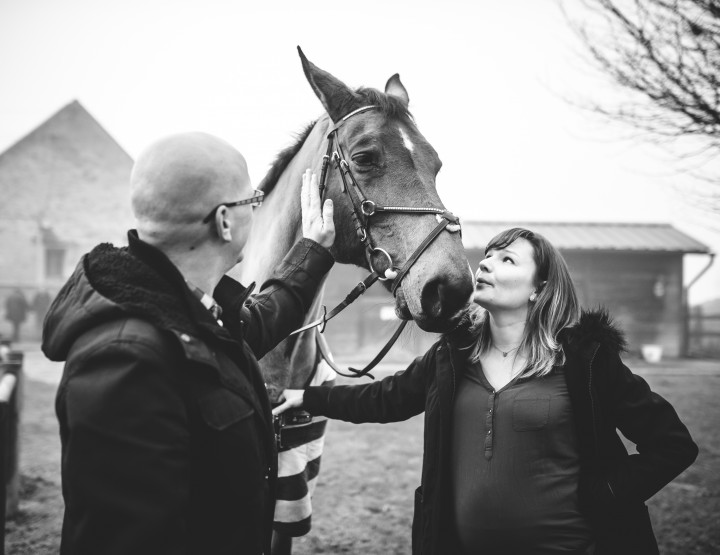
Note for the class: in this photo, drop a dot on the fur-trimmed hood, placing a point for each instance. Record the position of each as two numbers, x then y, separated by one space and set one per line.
111 283
107 284
595 326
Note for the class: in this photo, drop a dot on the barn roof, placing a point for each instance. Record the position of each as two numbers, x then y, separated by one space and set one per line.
68 175
581 236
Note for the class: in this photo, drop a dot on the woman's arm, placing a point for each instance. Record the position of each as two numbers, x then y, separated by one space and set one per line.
395 398
664 445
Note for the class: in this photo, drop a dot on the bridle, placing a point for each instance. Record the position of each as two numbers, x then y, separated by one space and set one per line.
363 210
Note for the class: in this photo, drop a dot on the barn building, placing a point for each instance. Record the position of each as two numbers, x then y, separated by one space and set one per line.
633 269
64 189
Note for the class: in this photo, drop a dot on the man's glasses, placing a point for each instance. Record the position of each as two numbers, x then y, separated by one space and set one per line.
255 200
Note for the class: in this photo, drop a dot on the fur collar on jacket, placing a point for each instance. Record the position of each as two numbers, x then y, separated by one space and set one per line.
111 283
156 293
595 326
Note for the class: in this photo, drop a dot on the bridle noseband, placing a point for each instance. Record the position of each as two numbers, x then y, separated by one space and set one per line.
363 210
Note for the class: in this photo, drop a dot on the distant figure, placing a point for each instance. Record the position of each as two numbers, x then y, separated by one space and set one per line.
40 305
4 349
16 308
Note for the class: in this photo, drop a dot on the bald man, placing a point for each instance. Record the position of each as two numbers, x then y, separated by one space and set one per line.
166 429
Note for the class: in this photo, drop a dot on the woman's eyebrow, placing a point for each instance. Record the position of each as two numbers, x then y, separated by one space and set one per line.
502 249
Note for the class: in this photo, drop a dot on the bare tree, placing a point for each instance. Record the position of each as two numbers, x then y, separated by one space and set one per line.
666 53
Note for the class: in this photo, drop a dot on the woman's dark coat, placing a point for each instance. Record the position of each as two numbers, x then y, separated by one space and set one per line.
166 429
605 397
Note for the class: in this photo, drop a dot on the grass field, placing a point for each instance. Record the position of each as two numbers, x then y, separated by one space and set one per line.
363 502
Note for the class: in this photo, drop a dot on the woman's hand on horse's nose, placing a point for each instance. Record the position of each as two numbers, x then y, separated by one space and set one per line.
317 224
292 398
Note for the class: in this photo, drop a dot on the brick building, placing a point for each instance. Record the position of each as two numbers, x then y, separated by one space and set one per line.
64 188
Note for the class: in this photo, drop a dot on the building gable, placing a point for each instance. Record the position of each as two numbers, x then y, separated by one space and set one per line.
67 179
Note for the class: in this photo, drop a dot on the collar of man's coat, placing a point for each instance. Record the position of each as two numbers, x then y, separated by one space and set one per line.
143 281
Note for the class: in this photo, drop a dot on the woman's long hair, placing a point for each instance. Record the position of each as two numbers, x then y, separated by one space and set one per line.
555 308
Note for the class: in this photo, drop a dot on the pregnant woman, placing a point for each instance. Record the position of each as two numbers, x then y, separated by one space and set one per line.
522 405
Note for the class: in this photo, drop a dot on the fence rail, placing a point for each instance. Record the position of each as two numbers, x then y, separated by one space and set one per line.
10 406
703 333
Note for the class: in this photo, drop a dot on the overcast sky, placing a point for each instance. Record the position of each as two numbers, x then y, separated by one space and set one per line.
488 85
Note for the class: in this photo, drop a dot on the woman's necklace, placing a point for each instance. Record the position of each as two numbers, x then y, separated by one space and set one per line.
506 353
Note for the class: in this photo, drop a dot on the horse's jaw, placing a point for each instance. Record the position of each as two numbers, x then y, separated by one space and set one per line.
402 310
424 321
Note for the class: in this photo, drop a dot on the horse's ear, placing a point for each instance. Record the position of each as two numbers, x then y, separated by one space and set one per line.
395 88
337 98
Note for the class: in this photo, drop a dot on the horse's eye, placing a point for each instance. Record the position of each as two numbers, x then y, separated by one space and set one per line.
363 158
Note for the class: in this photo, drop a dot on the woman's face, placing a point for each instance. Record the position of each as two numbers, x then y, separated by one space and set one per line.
505 278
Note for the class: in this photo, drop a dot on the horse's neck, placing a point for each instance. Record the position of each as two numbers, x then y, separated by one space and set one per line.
275 230
277 226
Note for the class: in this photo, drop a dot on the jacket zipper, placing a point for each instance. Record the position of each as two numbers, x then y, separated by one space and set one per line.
452 368
594 418
592 402
452 399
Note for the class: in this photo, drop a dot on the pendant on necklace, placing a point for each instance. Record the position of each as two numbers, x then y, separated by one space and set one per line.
504 353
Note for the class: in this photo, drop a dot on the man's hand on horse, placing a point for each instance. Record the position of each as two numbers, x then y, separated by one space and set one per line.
317 224
291 398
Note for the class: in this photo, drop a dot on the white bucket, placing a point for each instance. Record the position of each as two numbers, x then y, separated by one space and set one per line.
652 353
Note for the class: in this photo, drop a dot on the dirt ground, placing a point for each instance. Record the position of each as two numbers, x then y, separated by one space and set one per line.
363 501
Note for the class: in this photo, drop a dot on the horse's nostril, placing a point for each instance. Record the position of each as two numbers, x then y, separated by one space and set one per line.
442 297
431 300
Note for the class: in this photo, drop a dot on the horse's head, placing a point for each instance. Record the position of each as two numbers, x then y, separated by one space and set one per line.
393 165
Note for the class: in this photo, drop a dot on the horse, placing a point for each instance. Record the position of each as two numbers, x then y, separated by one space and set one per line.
389 160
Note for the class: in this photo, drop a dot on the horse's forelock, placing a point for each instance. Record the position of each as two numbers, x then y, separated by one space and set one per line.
390 106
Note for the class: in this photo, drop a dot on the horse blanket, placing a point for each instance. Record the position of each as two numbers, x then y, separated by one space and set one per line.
298 468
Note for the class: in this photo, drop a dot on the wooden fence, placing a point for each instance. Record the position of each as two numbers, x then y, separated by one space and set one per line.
703 334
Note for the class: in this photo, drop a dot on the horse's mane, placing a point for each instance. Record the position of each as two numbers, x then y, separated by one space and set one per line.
388 105
283 159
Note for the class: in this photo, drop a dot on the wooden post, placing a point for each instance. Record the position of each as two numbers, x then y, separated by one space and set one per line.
11 379
3 491
699 329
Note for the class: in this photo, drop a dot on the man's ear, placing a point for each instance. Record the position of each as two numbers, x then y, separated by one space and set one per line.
222 224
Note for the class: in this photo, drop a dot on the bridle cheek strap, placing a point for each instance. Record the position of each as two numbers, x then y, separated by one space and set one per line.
445 220
358 290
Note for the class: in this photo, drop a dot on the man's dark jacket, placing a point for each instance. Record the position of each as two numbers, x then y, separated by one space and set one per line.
166 429
605 396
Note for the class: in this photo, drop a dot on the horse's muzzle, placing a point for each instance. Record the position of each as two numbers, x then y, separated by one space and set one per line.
442 303
402 310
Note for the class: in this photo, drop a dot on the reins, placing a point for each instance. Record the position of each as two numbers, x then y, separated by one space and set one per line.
362 211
